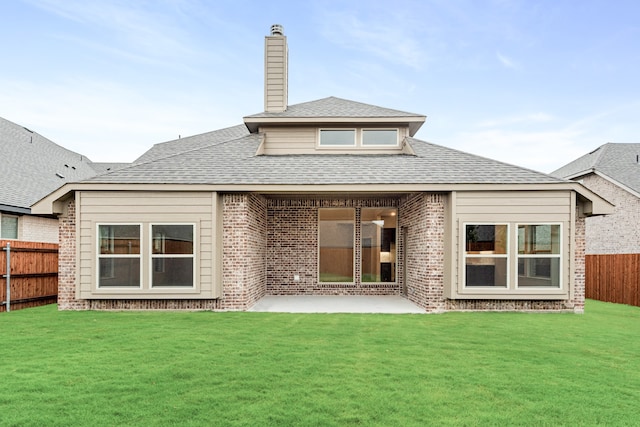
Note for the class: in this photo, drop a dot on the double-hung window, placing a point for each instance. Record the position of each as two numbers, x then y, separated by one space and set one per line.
172 255
512 256
486 255
539 260
119 255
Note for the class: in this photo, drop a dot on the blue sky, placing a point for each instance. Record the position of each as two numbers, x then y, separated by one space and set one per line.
533 83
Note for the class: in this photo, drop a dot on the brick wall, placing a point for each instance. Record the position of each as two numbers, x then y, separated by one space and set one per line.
37 229
618 233
244 250
422 218
67 262
292 247
579 265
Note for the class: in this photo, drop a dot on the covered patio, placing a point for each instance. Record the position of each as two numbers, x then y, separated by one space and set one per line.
387 304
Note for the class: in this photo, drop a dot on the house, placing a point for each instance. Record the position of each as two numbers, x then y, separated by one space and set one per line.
612 171
328 197
32 167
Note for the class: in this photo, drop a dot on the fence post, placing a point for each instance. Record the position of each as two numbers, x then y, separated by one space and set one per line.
8 277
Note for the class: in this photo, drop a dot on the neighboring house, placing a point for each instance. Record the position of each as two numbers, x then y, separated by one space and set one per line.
329 197
612 171
32 167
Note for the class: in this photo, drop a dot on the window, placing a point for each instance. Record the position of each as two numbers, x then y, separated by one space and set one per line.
119 255
379 137
378 258
539 255
528 259
8 227
338 137
486 255
172 255
336 244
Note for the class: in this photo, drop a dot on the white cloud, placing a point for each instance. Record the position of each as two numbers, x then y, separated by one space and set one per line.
507 62
151 31
390 40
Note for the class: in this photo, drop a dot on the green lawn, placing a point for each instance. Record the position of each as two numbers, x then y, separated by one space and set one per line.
257 369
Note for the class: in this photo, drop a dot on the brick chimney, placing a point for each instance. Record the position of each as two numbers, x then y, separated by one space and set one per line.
276 58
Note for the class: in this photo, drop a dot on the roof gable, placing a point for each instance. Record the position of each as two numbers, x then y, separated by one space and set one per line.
619 162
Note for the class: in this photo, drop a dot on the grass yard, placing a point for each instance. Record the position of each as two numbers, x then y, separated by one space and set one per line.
259 369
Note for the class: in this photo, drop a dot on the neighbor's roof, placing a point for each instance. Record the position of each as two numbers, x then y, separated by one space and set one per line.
236 162
618 162
32 166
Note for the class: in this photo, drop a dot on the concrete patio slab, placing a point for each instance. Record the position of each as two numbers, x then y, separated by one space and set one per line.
392 304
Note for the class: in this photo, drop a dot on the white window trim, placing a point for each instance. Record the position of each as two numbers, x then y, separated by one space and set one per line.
100 256
465 255
153 257
361 139
337 146
549 256
358 139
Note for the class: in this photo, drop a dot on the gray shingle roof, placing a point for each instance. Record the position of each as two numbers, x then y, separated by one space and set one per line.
236 162
615 160
169 148
335 107
32 166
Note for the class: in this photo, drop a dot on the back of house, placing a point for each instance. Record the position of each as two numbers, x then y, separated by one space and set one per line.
327 197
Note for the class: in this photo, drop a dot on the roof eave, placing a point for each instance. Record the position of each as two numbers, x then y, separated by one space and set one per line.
413 122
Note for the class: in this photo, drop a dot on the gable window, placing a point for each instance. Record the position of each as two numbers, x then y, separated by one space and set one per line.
486 255
539 255
378 231
119 255
172 255
379 137
8 227
337 137
336 244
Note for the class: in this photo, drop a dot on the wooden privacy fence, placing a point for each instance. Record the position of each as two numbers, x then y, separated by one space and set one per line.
33 274
613 278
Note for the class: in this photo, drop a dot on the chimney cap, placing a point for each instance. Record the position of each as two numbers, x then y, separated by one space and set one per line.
277 30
